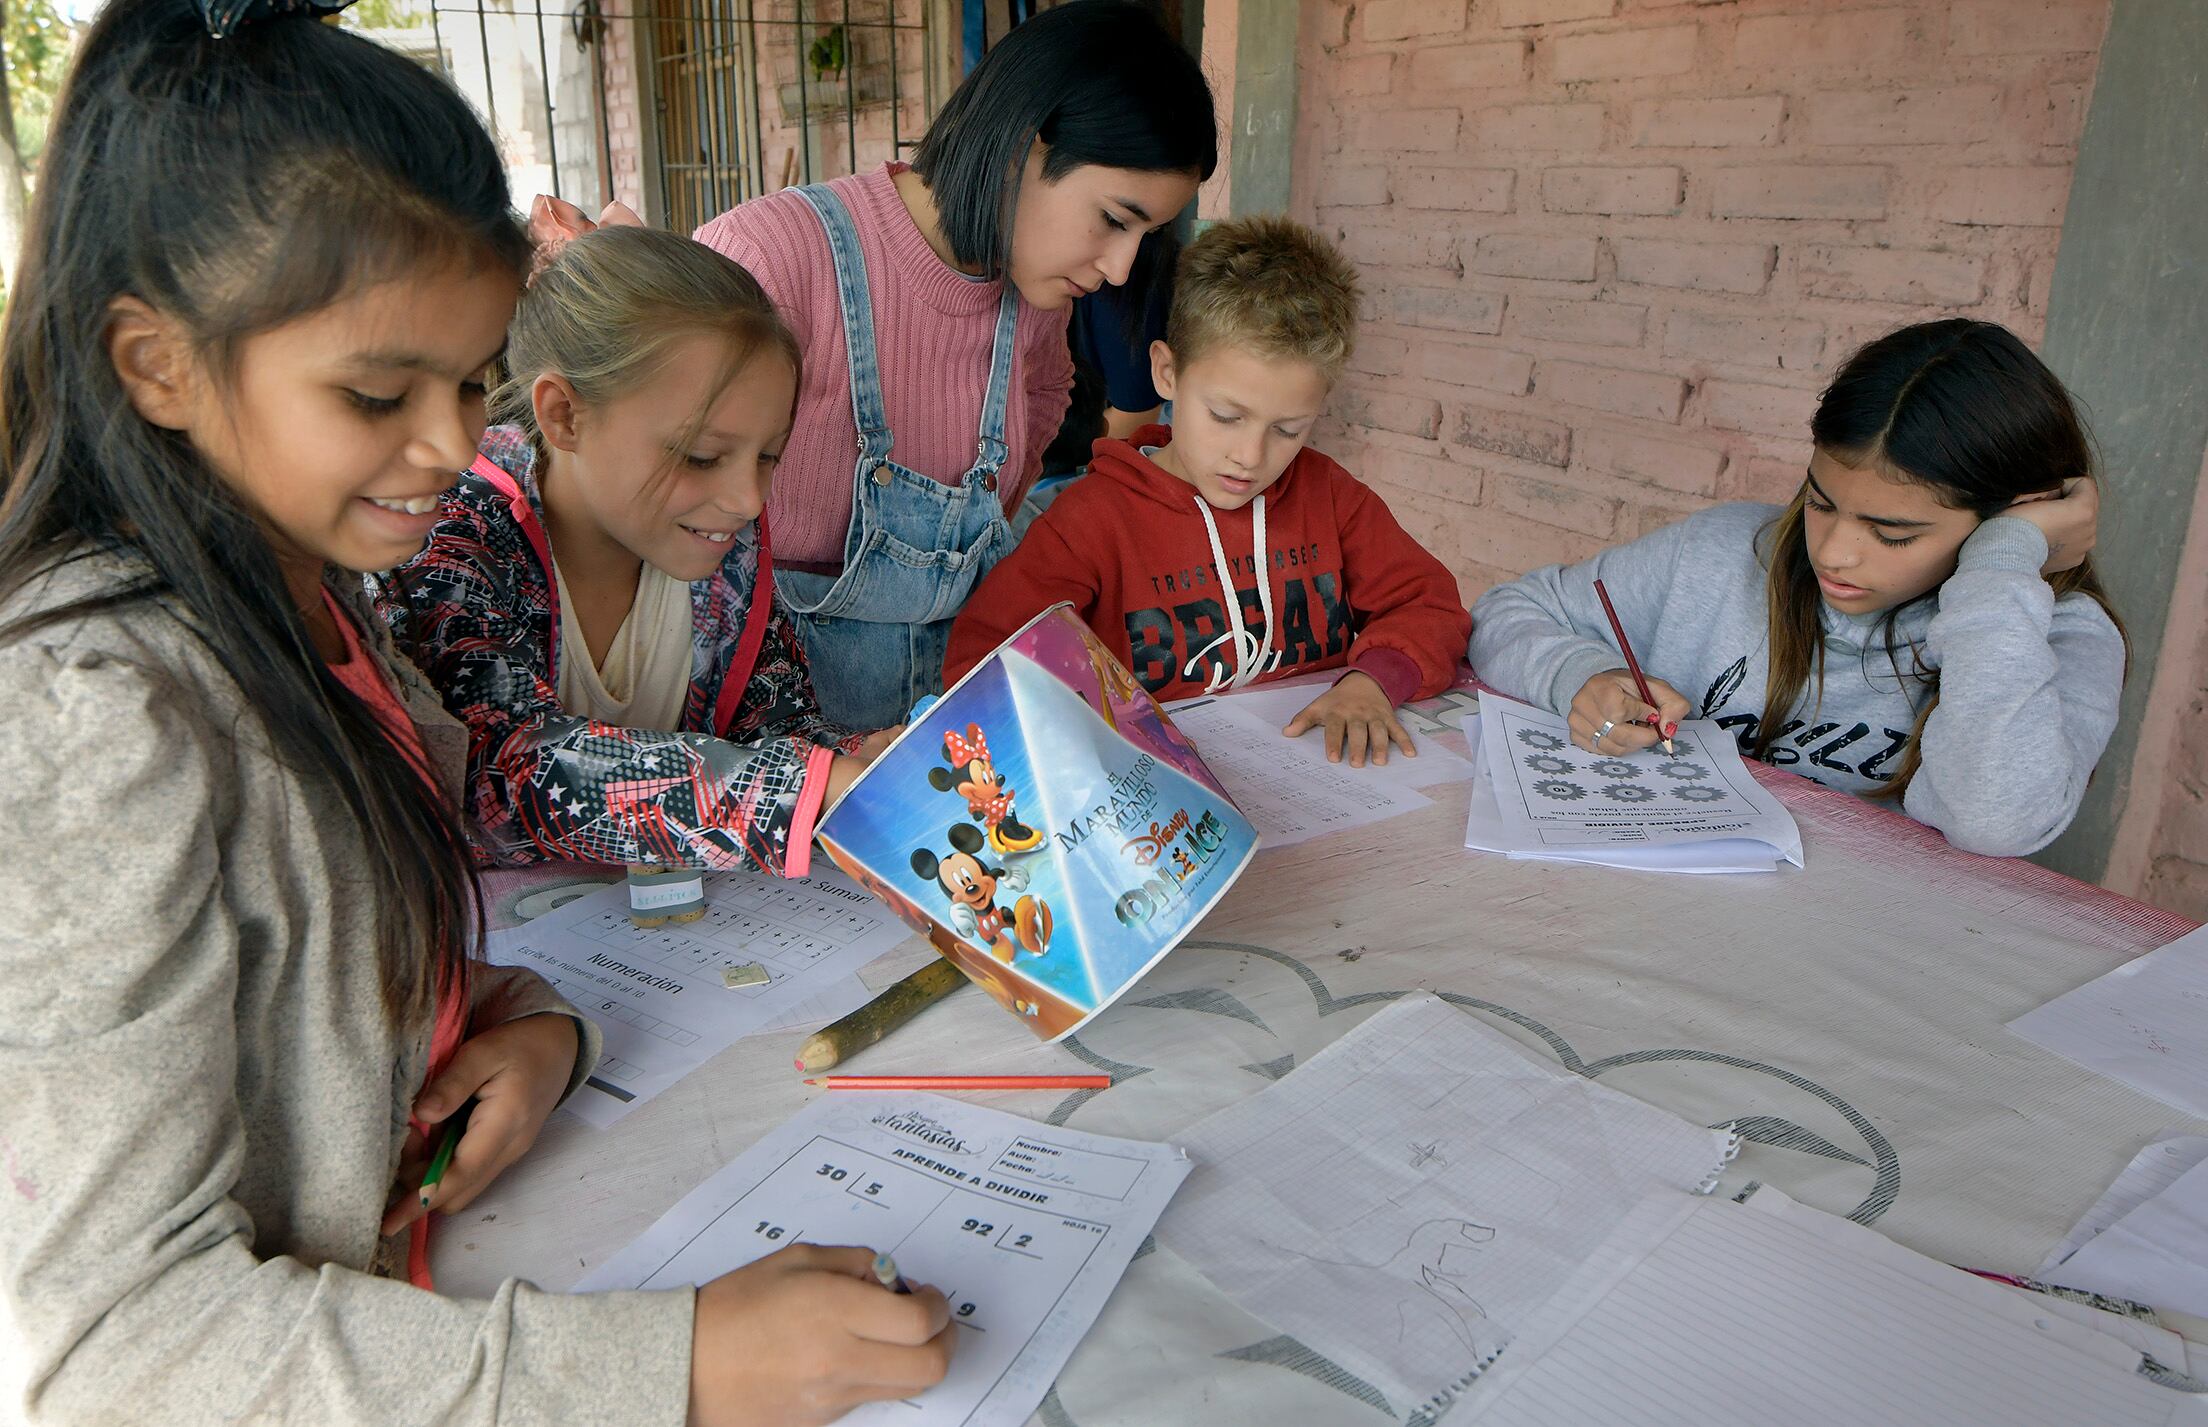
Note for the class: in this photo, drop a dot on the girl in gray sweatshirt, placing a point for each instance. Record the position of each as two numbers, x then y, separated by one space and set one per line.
1921 623
238 995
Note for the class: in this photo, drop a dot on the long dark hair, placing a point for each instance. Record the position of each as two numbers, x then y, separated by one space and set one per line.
235 186
1961 407
1100 82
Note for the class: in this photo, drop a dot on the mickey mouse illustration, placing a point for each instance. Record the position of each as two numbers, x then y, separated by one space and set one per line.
973 886
988 799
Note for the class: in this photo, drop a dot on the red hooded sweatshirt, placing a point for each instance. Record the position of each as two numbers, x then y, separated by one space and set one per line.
1129 546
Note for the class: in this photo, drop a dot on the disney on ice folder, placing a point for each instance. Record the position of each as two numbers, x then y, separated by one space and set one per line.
1045 826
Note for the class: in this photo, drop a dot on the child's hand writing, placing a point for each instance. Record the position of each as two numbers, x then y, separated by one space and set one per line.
845 769
1610 698
2069 518
806 1334
1358 719
515 1072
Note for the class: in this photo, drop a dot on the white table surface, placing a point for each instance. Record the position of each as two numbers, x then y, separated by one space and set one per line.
1849 1016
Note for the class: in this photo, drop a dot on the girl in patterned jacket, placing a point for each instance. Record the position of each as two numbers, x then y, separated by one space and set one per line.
597 600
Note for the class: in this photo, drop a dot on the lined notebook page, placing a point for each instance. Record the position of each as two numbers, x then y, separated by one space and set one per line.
1403 1201
1716 1314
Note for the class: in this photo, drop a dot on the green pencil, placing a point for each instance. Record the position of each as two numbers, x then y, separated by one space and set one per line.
453 1129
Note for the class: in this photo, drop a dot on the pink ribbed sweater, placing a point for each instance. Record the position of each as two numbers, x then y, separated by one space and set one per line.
932 326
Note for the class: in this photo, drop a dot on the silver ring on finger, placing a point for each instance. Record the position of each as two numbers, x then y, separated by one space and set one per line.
1604 731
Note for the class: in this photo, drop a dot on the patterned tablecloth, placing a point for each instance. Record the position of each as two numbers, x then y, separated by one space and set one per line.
1848 1018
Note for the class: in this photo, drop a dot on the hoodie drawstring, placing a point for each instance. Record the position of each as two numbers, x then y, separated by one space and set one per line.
1251 659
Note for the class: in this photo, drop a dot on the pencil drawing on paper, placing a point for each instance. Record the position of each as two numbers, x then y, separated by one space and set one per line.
1437 1261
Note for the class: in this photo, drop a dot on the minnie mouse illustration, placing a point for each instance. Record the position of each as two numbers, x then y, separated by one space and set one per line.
988 798
972 886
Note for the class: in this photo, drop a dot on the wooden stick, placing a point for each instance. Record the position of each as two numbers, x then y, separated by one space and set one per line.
878 1017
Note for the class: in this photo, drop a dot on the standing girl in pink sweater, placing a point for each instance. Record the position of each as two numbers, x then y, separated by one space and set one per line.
930 304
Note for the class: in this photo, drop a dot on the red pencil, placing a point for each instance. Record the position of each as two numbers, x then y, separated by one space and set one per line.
962 1082
1625 647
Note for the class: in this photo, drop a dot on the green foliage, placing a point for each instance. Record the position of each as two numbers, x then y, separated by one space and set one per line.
386 15
37 48
827 54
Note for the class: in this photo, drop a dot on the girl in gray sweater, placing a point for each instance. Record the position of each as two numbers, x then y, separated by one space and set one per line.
1921 623
268 263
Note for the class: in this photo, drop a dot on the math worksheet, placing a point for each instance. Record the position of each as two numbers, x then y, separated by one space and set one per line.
660 995
1025 1227
1286 787
1554 795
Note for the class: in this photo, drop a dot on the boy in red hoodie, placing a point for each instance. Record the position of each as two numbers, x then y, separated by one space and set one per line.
1228 497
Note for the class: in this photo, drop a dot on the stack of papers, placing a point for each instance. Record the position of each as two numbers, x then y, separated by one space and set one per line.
2145 1025
1694 809
2147 1238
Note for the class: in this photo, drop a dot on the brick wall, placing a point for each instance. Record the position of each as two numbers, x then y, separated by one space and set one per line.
625 114
1613 248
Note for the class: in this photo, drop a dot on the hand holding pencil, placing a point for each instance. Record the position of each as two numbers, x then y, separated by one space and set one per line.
1612 698
810 1332
1622 711
480 1112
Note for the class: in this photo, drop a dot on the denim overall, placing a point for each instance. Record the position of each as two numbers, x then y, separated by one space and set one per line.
875 633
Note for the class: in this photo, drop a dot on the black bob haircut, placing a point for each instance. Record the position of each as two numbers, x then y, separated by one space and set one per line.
1100 82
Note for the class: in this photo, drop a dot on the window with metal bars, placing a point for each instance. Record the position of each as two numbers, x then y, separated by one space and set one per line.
685 108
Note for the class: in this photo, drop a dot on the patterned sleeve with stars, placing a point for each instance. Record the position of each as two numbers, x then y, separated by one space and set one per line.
544 784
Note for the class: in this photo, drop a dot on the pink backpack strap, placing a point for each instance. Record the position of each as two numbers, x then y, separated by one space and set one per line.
756 620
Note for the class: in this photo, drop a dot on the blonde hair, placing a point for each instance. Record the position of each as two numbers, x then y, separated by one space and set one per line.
608 310
1267 284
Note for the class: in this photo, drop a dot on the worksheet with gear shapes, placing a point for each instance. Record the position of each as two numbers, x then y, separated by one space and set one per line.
1556 795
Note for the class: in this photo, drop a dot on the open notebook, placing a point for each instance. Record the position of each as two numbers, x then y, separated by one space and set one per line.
1716 1314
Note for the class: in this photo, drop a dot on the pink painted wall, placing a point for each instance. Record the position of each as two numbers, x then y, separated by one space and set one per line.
1614 247
2161 844
2176 872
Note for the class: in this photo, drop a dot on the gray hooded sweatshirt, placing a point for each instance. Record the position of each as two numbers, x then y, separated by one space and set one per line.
2027 683
205 1100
